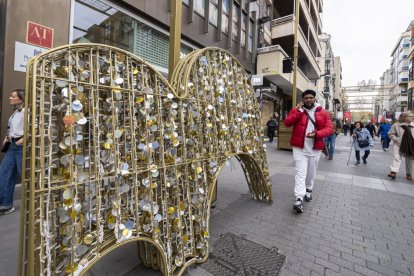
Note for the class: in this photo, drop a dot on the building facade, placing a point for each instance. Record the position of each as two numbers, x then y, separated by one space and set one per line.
337 80
399 74
140 27
410 85
274 58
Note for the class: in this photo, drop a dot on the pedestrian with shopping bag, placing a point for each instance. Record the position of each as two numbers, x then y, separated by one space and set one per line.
362 142
402 134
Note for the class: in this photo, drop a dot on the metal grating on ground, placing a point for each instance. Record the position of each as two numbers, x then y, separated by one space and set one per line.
234 255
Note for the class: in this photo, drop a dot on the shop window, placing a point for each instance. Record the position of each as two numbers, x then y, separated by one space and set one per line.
213 12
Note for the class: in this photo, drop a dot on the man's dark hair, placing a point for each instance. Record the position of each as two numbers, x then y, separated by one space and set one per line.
20 93
361 124
308 91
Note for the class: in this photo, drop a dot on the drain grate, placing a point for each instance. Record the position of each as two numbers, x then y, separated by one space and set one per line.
234 255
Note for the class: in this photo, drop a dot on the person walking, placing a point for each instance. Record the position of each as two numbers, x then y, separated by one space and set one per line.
362 142
11 166
330 140
383 130
345 127
271 128
311 123
402 134
371 129
351 129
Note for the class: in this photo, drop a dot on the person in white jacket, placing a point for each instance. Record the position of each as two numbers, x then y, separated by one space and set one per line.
402 134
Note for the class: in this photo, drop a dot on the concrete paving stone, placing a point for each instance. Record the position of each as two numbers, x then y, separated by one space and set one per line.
341 262
365 256
381 269
317 253
317 268
348 272
399 187
327 264
398 265
330 250
352 258
329 272
366 271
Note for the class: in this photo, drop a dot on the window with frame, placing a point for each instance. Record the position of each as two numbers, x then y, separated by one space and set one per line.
213 15
251 26
235 30
199 7
225 17
243 32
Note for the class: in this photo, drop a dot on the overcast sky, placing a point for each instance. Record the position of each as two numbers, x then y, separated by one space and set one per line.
364 33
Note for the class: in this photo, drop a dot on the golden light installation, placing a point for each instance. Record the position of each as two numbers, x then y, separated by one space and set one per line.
115 154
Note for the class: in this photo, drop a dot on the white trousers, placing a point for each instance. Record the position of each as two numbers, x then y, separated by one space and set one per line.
305 167
396 161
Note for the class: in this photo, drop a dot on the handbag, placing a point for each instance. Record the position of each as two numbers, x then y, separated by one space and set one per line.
362 143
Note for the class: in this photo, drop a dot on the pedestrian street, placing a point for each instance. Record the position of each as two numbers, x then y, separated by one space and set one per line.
359 222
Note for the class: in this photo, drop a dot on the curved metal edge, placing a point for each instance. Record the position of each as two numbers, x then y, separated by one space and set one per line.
103 46
111 248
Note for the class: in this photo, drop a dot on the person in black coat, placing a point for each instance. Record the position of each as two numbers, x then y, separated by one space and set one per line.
271 128
371 128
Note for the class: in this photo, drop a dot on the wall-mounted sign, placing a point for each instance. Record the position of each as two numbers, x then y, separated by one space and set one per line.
23 52
39 35
257 80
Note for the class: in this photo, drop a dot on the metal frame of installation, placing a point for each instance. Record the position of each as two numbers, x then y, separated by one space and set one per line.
115 154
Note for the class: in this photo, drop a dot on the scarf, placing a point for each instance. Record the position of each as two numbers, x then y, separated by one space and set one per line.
407 143
19 107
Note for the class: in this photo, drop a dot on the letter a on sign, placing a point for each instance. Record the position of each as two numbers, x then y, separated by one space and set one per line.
39 35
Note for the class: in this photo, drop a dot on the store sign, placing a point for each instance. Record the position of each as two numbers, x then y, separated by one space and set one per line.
257 80
339 115
24 52
39 35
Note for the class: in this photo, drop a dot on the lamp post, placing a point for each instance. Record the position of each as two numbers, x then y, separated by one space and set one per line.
295 53
175 36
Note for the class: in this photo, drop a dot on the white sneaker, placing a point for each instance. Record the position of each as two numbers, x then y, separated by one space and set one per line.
298 205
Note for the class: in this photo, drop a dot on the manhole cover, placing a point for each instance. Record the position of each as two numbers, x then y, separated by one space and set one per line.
233 255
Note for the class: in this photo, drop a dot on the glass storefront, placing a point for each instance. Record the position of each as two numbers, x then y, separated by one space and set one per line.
97 22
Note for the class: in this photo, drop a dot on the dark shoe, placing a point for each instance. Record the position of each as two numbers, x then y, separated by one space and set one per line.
364 160
409 177
308 195
357 163
330 157
213 205
393 175
7 211
384 149
298 205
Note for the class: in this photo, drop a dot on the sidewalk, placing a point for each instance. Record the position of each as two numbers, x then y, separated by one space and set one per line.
359 222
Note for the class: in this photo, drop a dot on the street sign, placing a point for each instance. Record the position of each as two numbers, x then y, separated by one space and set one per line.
39 35
22 53
257 80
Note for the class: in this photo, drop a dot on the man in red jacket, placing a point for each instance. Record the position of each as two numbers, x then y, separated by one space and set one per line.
311 123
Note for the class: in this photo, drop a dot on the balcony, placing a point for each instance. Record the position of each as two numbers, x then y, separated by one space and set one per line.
270 65
283 30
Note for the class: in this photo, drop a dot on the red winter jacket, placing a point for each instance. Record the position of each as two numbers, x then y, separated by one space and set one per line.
299 120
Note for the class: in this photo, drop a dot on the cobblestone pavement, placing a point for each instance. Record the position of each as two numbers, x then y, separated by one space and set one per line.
358 223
